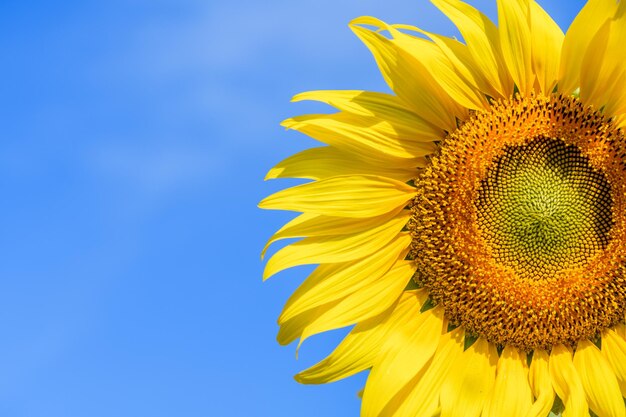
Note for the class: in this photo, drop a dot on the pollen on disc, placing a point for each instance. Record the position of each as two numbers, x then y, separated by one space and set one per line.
542 208
519 224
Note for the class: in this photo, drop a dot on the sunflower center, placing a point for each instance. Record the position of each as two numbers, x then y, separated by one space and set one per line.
519 225
542 208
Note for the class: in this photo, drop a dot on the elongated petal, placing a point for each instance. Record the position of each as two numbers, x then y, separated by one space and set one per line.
355 196
616 101
614 350
465 390
598 380
540 384
516 42
327 161
414 343
567 383
435 63
547 41
297 227
422 398
511 395
331 249
332 282
365 303
592 67
603 63
356 352
577 39
370 104
483 42
410 135
407 79
461 60
292 329
311 224
371 138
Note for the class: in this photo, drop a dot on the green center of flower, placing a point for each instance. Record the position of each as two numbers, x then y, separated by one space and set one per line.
519 225
542 208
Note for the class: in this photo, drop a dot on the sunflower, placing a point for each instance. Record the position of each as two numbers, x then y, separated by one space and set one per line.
471 225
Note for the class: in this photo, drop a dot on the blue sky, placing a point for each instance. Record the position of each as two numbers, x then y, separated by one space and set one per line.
135 136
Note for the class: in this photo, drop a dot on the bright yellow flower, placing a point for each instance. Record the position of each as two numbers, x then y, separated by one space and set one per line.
472 226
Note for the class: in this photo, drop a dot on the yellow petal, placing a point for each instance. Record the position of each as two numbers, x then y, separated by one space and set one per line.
356 352
292 228
616 101
577 39
465 389
483 43
311 224
567 383
434 62
422 394
516 42
590 90
511 395
364 136
355 196
292 329
603 63
547 40
462 61
407 79
365 303
405 352
614 350
370 104
341 248
332 282
598 380
540 384
327 161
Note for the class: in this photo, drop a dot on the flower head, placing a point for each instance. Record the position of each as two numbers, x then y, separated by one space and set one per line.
472 225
